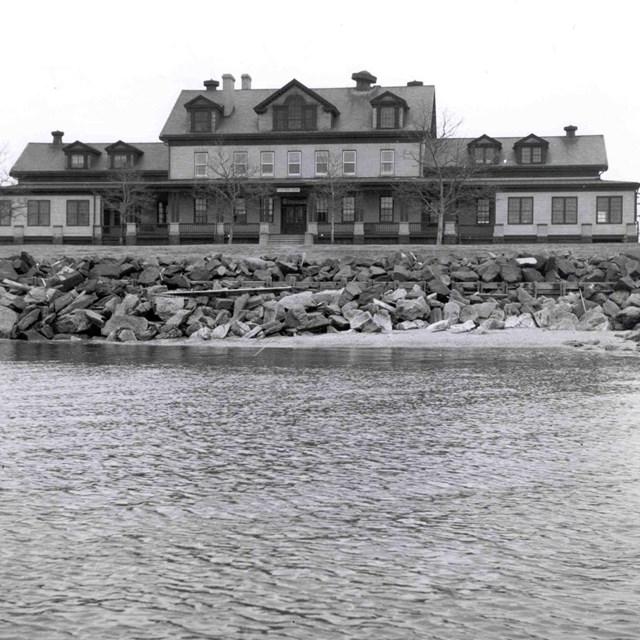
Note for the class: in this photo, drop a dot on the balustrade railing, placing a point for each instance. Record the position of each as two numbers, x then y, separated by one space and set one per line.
381 228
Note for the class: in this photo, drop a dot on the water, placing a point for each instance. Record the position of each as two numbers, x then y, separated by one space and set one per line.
186 493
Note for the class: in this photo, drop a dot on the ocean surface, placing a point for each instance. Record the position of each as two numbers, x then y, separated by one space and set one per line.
375 494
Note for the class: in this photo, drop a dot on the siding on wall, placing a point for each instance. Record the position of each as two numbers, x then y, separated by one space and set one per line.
368 158
586 213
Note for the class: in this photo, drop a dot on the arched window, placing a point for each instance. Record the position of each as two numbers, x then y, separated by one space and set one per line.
294 115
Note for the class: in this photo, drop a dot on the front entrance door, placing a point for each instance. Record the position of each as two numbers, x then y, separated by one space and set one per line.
294 216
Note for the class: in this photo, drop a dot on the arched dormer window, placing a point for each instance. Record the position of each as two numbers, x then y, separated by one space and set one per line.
294 115
389 111
484 150
531 150
204 115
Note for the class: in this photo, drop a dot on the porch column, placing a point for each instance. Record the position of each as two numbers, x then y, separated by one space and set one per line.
312 232
264 234
586 234
498 234
18 234
174 233
97 234
358 233
220 232
403 233
57 234
131 233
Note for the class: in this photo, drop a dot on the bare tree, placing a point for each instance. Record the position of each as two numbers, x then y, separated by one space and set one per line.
127 193
231 183
448 177
332 189
14 205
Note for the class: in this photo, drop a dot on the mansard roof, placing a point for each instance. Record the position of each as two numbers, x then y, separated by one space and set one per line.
578 152
45 157
296 84
354 108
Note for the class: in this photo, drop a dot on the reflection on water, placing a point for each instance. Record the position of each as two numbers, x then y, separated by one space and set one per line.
372 494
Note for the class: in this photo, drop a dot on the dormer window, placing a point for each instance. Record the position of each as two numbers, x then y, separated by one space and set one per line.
121 161
122 155
204 115
80 155
294 115
389 111
78 161
484 150
203 121
531 150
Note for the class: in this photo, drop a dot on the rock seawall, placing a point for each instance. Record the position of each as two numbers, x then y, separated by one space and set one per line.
130 300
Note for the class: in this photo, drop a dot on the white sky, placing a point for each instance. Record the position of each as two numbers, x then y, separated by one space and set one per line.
107 71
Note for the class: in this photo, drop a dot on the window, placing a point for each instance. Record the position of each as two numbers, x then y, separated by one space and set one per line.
348 209
203 120
387 162
294 115
200 210
77 213
266 210
388 117
240 163
564 211
322 163
240 211
483 211
386 208
267 162
609 210
201 160
78 161
294 160
121 161
428 214
5 213
38 213
484 154
520 211
322 209
531 155
349 163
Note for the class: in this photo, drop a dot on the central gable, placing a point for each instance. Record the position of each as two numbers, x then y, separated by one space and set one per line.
296 88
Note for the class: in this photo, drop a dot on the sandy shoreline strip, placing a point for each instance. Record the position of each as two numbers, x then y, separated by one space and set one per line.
423 339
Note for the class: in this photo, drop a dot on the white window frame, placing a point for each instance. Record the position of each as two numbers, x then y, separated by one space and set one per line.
264 163
292 162
346 162
388 165
240 163
200 162
322 160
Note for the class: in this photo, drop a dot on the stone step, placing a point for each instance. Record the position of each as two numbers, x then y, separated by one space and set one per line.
276 239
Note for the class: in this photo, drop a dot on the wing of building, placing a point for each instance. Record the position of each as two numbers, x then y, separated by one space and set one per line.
358 164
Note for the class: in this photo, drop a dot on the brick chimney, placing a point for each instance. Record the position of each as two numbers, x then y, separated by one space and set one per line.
228 97
57 137
570 130
246 81
415 83
364 80
211 85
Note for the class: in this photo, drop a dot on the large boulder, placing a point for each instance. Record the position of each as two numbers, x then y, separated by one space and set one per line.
8 320
629 317
138 325
165 306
